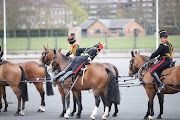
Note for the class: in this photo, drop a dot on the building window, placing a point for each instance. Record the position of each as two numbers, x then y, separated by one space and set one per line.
113 30
91 32
121 31
43 21
98 31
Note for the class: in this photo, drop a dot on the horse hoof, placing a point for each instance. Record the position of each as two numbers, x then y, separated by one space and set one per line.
150 117
5 110
40 110
61 115
159 117
66 117
91 119
103 118
114 115
78 116
72 114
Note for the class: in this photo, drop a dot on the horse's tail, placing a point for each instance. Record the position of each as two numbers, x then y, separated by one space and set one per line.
113 93
116 71
49 89
23 86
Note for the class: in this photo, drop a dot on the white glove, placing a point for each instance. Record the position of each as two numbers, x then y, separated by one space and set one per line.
89 59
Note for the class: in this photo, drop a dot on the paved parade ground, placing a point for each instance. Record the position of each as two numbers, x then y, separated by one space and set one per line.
133 104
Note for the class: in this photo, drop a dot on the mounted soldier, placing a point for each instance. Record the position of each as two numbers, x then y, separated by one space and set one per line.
84 55
165 50
73 46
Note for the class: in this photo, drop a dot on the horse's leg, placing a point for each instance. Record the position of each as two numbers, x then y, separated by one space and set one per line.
106 105
116 110
0 98
61 91
40 89
66 90
74 104
79 99
23 108
97 102
150 112
18 95
161 101
5 100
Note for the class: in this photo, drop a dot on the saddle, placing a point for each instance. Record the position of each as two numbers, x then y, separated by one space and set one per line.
80 72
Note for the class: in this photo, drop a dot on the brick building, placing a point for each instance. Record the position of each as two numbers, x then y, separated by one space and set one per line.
112 27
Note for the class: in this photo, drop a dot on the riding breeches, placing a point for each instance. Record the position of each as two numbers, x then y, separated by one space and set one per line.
161 65
77 63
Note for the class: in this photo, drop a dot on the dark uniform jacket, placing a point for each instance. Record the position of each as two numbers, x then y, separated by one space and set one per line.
82 55
165 50
166 53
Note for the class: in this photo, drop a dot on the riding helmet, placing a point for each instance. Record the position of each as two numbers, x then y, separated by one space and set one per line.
163 33
71 39
99 46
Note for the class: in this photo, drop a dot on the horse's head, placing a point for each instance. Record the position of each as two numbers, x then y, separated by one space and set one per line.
54 62
135 63
59 61
46 56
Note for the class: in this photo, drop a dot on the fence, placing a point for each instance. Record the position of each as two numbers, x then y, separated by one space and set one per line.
36 43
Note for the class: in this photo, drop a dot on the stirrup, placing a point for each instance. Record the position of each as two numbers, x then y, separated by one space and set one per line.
54 83
161 88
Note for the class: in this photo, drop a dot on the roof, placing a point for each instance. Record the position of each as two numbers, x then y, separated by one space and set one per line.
109 23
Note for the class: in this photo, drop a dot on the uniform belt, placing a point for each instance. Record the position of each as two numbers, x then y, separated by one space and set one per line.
84 54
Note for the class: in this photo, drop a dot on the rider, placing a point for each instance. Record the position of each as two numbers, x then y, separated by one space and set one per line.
73 46
165 50
83 55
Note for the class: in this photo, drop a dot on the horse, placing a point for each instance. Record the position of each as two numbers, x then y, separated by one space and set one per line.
97 77
36 74
13 75
46 58
170 76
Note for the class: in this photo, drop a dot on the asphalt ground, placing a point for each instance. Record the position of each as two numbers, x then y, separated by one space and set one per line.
133 104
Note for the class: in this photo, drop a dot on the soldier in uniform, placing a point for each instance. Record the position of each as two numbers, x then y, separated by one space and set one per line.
82 56
165 50
73 46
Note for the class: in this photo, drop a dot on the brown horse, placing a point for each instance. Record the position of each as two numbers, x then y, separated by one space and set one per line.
14 76
47 57
97 77
34 72
170 76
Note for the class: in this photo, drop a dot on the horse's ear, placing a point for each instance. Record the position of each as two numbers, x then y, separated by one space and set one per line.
135 52
44 47
138 52
132 53
59 50
54 51
47 46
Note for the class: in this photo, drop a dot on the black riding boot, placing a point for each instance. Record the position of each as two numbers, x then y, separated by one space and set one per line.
161 85
65 76
57 77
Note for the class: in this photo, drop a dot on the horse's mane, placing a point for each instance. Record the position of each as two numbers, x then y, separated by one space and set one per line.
66 58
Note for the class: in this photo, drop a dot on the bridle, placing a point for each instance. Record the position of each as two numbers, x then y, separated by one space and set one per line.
134 71
45 55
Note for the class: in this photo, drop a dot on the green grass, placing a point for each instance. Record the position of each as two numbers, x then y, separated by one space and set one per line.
36 43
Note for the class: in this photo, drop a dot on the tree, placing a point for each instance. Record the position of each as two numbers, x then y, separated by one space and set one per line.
79 14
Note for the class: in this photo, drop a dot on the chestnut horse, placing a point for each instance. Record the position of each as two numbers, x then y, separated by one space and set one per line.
34 72
170 76
47 57
13 75
97 77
